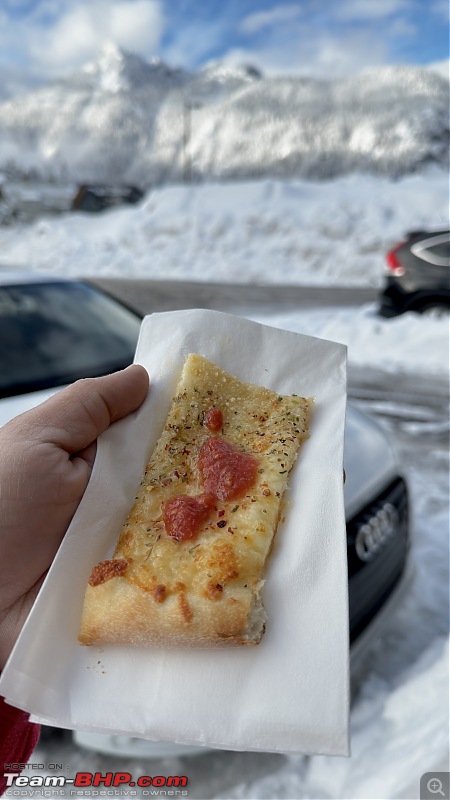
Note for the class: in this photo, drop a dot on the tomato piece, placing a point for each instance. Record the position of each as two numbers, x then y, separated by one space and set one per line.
184 515
227 473
213 419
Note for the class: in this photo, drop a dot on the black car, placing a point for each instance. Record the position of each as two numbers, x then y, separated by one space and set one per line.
418 275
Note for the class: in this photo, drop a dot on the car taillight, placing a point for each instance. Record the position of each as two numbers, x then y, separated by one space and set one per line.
393 263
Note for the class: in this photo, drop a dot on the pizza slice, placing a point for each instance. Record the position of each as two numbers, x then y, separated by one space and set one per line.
189 564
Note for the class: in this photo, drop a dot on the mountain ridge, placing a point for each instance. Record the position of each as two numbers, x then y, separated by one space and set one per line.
125 120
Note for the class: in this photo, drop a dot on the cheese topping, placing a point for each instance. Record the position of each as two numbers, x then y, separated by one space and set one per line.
232 533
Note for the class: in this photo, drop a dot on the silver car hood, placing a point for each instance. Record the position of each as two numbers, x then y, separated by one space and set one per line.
370 460
13 406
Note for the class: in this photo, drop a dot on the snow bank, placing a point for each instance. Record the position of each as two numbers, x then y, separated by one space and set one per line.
266 232
296 232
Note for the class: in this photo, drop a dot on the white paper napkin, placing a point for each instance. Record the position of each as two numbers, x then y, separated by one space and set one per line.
290 693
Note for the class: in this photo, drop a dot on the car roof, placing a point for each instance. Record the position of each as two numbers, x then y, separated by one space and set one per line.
425 233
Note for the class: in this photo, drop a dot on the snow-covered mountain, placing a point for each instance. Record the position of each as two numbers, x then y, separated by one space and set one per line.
123 119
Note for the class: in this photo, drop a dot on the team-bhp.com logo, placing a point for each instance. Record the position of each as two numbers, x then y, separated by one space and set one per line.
109 784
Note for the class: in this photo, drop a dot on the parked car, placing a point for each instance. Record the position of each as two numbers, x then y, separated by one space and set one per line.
418 275
98 197
53 332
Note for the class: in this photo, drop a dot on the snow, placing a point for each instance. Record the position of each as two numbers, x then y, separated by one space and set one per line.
406 344
326 231
293 232
125 120
297 232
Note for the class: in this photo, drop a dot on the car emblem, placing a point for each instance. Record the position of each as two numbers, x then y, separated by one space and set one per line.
375 532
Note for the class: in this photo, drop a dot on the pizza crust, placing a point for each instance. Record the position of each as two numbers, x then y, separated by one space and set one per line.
204 591
133 617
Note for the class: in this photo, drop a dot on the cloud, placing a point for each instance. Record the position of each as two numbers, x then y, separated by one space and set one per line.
366 10
79 32
254 23
56 36
137 26
68 43
326 39
440 9
322 55
311 39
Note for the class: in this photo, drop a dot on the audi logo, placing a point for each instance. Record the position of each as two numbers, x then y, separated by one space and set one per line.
376 531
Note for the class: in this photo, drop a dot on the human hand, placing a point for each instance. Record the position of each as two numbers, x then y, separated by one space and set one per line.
46 458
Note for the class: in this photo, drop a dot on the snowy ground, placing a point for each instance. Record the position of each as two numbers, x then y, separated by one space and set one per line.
328 234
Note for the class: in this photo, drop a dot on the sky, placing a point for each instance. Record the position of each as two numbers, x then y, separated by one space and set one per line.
41 40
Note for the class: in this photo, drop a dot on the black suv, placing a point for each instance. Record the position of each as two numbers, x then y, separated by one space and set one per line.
418 275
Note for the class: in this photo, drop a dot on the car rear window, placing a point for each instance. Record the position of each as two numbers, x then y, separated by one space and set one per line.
55 333
441 250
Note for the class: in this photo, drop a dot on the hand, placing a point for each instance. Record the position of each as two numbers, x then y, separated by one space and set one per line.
46 458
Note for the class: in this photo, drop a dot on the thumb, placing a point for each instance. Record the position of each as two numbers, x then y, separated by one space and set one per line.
73 418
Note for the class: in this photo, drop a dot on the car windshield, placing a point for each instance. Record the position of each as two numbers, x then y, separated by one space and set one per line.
55 333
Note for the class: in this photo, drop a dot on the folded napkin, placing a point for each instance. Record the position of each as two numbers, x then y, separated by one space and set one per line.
288 694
